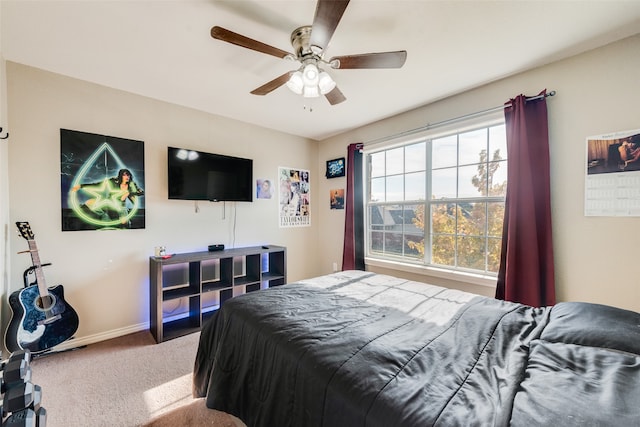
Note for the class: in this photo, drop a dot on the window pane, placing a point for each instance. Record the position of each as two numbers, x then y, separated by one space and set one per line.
393 218
377 189
376 215
471 252
472 219
376 240
414 246
395 163
377 164
494 246
415 186
498 184
414 219
444 152
471 183
443 183
498 141
471 145
495 218
443 218
395 188
443 250
393 243
415 157
414 231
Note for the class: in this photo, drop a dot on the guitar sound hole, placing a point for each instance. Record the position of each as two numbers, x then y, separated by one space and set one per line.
45 303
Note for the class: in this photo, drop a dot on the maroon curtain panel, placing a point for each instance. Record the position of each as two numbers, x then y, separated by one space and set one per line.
353 247
526 272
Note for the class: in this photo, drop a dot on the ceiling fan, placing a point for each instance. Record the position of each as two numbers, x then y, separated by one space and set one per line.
308 43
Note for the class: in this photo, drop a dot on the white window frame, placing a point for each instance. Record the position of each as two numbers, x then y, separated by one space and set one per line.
408 138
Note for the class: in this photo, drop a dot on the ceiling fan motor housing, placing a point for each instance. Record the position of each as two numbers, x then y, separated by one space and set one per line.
300 38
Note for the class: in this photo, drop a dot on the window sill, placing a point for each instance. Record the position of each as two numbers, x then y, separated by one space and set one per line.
458 276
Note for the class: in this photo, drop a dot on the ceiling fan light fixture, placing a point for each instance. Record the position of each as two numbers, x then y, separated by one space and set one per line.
310 81
311 92
310 75
296 83
325 83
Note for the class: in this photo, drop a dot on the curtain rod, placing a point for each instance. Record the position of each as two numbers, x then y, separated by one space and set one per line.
455 119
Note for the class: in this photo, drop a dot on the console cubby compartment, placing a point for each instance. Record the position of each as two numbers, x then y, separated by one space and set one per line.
210 304
253 287
175 276
180 316
276 264
225 295
273 269
206 315
201 282
217 274
247 270
178 328
277 281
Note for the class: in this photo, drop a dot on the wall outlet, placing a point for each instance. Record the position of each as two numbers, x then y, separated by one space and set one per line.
335 266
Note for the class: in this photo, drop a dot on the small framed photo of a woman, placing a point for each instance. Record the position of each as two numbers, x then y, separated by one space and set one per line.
335 168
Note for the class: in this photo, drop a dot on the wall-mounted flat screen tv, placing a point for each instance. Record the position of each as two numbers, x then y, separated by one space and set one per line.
197 175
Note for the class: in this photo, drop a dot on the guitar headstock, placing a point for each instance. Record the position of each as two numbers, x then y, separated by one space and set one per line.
25 230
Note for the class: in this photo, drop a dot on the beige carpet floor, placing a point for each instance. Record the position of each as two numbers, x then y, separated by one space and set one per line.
194 414
128 381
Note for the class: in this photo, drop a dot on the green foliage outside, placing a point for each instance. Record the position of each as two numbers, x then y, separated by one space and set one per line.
465 225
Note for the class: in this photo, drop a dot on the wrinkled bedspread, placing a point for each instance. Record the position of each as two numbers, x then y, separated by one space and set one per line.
362 349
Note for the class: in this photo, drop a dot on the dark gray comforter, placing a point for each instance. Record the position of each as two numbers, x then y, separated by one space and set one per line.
359 349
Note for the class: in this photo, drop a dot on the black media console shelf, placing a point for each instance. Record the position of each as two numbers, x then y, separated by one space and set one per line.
186 289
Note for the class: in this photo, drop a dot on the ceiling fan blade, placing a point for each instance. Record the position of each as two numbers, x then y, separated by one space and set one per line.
371 60
273 84
335 96
328 15
240 40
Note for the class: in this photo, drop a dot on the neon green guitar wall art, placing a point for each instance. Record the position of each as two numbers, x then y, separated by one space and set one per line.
96 203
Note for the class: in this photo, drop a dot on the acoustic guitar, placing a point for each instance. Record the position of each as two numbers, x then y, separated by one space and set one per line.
41 317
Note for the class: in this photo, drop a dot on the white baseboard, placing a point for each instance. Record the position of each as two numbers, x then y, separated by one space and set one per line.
103 336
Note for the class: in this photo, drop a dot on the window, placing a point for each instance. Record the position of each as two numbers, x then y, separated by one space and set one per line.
439 201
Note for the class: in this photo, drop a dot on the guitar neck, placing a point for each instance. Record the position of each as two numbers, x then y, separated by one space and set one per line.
35 260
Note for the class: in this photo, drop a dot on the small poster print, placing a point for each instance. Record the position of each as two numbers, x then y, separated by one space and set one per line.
263 189
336 198
295 197
335 168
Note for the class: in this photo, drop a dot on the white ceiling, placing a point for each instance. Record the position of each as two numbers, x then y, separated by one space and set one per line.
162 49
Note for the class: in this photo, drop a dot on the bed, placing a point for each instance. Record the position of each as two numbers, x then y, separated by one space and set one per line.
357 348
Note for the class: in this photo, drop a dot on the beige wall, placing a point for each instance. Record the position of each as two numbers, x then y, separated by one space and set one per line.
597 92
105 273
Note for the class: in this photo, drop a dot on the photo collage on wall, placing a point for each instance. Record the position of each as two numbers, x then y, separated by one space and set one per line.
102 182
295 196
